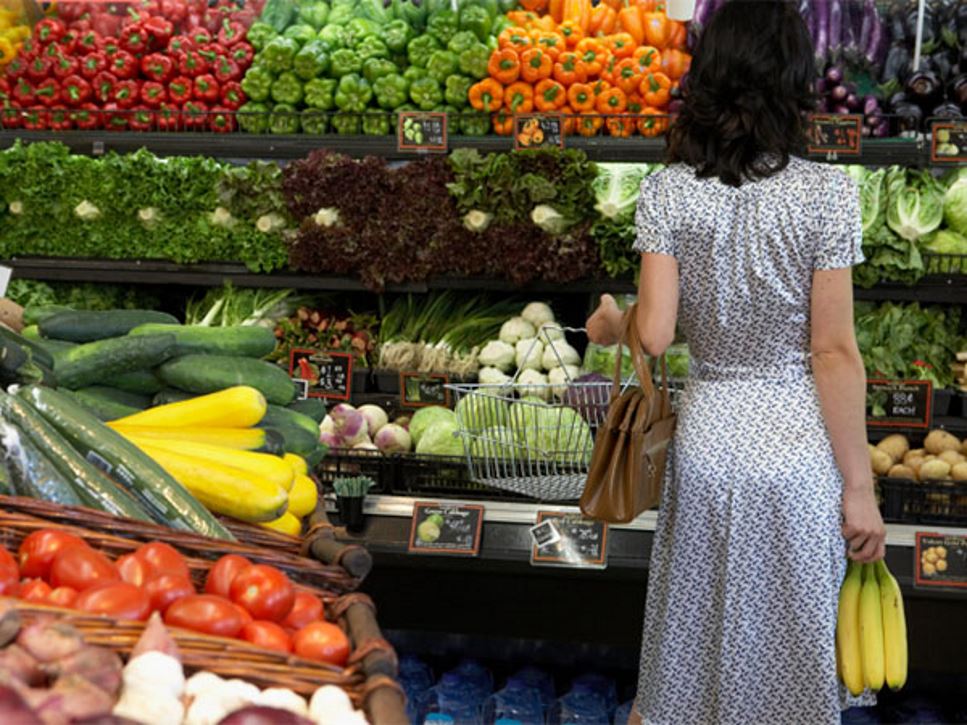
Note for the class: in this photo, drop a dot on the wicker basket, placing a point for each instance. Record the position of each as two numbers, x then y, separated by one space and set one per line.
942 503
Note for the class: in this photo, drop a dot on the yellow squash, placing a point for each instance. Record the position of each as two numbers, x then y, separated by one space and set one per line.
286 524
236 407
298 463
243 439
303 496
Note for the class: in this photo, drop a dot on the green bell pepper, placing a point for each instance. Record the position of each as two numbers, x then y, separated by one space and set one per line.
372 47
372 10
353 93
435 6
426 93
287 89
345 61
284 119
391 91
257 83
413 14
419 50
335 36
395 34
475 124
340 14
278 14
464 40
312 61
500 25
315 14
376 68
491 6
346 123
300 32
314 122
452 114
319 93
253 117
457 90
260 34
280 53
477 20
473 61
413 74
376 123
507 5
443 25
442 64
360 28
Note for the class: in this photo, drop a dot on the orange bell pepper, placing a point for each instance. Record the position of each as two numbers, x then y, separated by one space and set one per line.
648 59
679 36
504 66
519 97
535 6
607 73
675 63
594 55
535 65
603 20
652 123
550 42
514 38
620 126
556 10
579 11
580 97
487 95
627 76
522 18
600 87
570 120
549 95
649 6
629 20
589 125
546 23
658 29
503 123
611 101
570 69
616 4
621 45
656 89
636 103
571 33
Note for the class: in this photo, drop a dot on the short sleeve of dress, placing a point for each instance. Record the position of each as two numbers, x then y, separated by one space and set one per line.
841 241
653 232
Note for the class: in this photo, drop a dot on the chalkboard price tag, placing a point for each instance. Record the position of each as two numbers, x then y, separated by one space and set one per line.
941 561
451 530
949 142
417 131
899 404
569 540
322 374
419 390
538 131
830 134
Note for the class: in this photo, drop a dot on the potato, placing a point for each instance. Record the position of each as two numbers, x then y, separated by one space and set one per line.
930 557
880 461
938 441
914 453
935 470
914 464
901 471
929 569
941 551
959 472
895 445
952 457
941 565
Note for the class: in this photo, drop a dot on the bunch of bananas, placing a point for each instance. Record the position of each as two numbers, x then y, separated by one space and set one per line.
871 631
13 31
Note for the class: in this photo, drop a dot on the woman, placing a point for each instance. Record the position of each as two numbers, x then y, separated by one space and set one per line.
768 483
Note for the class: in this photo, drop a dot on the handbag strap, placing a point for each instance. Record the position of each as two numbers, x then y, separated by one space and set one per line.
630 337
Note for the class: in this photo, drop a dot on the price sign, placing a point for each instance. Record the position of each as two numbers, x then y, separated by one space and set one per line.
949 142
899 404
563 539
833 134
941 561
418 390
538 131
449 530
417 131
321 374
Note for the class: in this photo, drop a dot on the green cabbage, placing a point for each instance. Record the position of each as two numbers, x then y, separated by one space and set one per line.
616 189
946 241
916 205
441 438
955 204
479 410
425 417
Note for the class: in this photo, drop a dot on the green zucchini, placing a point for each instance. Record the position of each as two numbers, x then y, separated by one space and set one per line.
37 352
103 410
311 407
170 395
300 433
143 382
114 395
55 348
34 314
239 341
95 490
160 495
314 458
90 326
32 473
210 373
101 361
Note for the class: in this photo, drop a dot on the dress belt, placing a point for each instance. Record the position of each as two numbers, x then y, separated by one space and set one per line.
794 370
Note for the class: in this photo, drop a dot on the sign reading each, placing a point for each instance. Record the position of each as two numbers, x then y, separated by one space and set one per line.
949 142
538 131
835 134
564 539
322 374
418 390
899 404
941 561
452 530
417 131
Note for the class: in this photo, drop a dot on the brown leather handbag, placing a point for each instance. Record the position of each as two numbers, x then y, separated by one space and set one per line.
628 461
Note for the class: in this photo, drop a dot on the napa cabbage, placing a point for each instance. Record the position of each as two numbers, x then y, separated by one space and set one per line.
916 205
616 189
955 203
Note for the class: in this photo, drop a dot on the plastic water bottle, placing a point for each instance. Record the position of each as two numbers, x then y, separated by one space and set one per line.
539 680
580 706
622 714
416 678
517 702
454 700
603 686
478 676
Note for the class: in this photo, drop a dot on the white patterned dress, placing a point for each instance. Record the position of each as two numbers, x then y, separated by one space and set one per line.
748 554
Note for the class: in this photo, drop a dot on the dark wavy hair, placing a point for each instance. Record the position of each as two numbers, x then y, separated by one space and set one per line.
746 95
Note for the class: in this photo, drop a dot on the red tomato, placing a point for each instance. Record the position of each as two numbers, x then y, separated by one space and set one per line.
323 642
243 613
266 634
133 570
205 613
265 592
34 590
38 550
168 588
162 558
118 599
306 610
223 573
63 597
81 567
9 574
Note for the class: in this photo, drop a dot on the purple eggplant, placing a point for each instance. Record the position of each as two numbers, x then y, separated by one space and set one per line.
839 94
909 116
957 89
853 102
924 88
871 104
875 52
897 66
842 109
881 131
866 24
834 76
835 27
947 110
821 39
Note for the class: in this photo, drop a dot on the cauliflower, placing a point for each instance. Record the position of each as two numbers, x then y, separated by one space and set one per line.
560 377
537 313
497 354
534 383
516 328
559 353
529 354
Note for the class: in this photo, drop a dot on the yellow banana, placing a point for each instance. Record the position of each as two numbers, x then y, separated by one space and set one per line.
871 631
848 630
894 627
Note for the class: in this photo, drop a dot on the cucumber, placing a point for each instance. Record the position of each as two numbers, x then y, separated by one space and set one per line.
143 382
100 361
311 407
95 490
294 439
34 314
104 410
315 458
238 341
55 348
300 433
32 473
88 326
274 442
165 500
37 352
12 358
30 332
210 373
170 395
114 395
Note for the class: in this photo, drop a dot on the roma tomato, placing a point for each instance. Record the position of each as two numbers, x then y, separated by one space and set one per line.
205 613
118 599
80 567
9 574
223 573
323 642
162 558
306 609
34 590
133 570
63 597
168 588
265 592
266 634
243 613
38 550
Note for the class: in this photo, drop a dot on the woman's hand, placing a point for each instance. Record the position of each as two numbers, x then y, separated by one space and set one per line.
604 326
862 525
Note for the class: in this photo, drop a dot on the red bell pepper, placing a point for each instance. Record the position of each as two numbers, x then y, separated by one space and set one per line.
226 70
206 89
124 65
38 68
233 97
175 10
200 36
104 83
59 119
49 30
5 90
75 91
135 40
35 118
180 90
222 120
159 30
167 117
88 42
30 48
92 64
10 115
231 32
17 67
87 116
242 53
48 92
115 119
141 119
127 94
111 47
52 52
23 92
194 114
192 64
64 66
179 44
153 94
157 67
67 43
106 24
